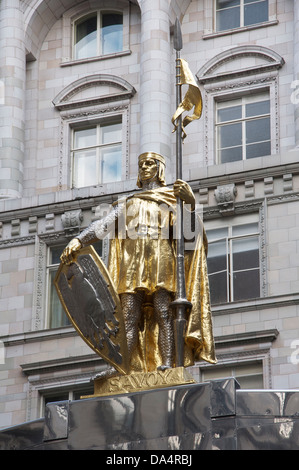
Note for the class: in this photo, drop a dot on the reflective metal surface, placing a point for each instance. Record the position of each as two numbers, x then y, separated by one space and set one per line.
215 416
175 417
25 436
56 421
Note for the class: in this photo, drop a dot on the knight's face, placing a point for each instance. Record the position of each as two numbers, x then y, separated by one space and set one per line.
148 169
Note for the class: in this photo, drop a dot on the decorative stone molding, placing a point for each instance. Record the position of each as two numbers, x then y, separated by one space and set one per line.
50 221
39 284
225 197
288 182
272 61
71 222
15 227
65 99
268 185
249 189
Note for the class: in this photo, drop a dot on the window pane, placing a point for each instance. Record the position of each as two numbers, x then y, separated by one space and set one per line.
245 229
226 3
230 155
111 164
258 130
85 169
251 382
111 133
86 38
55 254
258 150
58 397
217 233
217 257
218 288
249 376
228 19
255 13
98 247
230 135
245 253
229 114
57 315
246 285
85 137
258 108
112 33
87 390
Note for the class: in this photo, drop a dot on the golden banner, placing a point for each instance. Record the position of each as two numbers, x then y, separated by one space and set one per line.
192 99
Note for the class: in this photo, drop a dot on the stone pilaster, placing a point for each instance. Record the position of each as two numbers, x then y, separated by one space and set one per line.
296 66
12 81
156 82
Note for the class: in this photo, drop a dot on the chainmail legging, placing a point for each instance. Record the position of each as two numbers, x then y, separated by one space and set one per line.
132 308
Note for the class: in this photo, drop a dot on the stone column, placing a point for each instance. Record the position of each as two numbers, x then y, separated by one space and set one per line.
12 94
296 68
156 80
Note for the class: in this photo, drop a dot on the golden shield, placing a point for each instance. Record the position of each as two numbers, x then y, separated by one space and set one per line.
92 304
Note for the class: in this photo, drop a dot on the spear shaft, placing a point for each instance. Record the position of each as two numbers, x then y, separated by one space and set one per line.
181 303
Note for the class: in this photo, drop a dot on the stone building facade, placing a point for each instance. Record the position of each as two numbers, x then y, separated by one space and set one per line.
85 87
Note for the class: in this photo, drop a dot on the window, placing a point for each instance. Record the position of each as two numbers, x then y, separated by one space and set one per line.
249 376
65 395
98 34
56 314
237 13
97 154
233 263
243 128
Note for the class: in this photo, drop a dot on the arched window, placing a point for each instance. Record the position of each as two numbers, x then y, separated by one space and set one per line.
99 33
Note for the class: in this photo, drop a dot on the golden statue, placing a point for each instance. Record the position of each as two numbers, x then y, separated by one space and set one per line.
142 267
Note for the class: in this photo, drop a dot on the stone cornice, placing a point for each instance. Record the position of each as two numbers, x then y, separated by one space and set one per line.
253 337
63 363
256 304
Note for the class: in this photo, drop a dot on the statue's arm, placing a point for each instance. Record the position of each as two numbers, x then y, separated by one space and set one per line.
97 230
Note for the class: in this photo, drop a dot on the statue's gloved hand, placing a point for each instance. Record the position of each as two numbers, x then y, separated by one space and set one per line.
70 250
183 191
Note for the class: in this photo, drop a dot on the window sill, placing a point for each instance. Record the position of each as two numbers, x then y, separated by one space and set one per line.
68 63
256 304
239 30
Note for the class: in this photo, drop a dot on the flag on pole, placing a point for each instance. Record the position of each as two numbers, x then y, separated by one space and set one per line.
192 99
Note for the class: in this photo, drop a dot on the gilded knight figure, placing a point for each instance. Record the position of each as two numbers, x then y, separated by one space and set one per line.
142 266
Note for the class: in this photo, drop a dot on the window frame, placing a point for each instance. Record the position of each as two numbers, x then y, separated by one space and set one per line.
230 224
244 99
85 113
214 93
99 45
232 369
55 395
209 21
98 124
50 268
79 11
241 16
